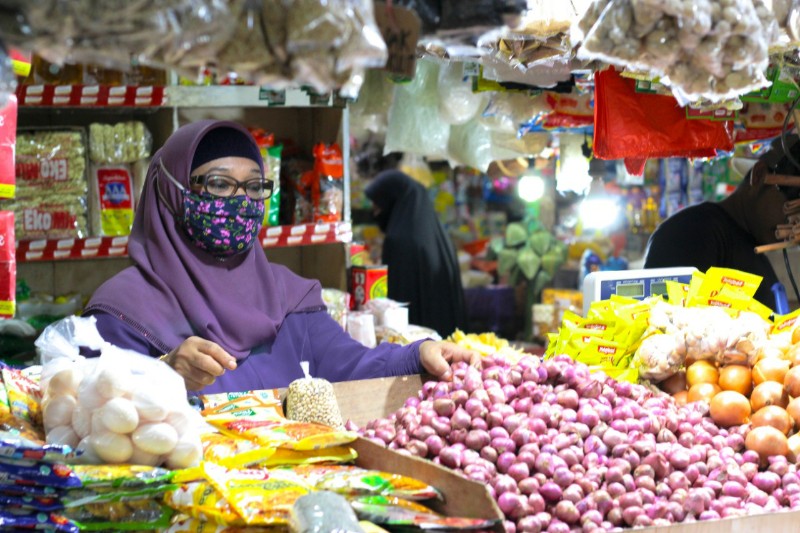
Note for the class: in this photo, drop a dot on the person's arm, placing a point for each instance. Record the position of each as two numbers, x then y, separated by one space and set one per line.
120 334
336 356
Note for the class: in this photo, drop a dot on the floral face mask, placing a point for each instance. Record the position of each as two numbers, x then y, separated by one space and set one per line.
221 226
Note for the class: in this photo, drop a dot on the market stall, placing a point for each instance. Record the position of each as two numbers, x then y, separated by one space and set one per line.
552 139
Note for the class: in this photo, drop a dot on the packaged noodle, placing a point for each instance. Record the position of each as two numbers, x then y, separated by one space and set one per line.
266 397
232 451
127 515
13 445
355 481
80 497
187 524
200 500
27 501
24 396
21 519
280 432
333 454
258 496
36 473
119 476
323 512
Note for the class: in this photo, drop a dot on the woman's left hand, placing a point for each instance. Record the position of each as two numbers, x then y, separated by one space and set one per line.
436 357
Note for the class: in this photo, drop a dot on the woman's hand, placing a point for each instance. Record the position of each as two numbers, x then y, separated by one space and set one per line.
199 362
436 357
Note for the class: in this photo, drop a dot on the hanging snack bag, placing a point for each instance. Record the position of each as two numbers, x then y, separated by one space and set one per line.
313 400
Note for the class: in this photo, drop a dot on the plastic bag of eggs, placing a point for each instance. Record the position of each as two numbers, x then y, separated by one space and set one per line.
115 413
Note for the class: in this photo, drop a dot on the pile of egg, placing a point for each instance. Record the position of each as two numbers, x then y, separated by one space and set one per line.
114 416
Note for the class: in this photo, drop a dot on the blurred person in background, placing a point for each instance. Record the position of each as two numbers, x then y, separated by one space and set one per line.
725 233
422 261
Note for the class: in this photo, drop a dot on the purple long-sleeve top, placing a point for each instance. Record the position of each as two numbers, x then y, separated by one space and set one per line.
304 336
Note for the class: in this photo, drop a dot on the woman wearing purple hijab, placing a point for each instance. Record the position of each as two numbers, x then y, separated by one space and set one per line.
207 301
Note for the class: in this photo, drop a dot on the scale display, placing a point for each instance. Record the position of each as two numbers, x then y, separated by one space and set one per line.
637 284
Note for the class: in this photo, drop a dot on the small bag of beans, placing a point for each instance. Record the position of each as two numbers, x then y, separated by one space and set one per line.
313 400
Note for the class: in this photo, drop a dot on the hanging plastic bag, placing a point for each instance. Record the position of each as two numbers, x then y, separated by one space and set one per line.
636 125
121 407
414 122
457 103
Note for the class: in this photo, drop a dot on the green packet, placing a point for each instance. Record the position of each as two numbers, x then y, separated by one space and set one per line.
128 476
78 497
122 516
395 513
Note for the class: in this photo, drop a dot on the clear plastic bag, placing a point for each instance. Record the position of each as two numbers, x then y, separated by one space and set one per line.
470 144
121 407
703 50
457 103
414 122
660 356
180 34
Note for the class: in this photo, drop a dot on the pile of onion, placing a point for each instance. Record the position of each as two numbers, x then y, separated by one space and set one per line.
562 450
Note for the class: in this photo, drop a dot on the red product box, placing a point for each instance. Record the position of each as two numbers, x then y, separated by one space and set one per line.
8 140
368 283
8 265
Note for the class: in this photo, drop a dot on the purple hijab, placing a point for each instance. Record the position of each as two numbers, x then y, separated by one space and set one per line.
175 290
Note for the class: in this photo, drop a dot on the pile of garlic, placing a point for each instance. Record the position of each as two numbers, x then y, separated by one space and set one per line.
114 415
703 49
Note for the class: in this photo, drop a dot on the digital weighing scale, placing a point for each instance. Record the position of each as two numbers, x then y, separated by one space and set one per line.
638 284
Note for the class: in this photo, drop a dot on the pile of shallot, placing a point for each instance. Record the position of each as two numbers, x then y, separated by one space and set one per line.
562 450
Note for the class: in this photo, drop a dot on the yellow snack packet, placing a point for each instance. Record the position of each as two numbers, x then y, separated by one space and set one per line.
334 454
677 292
233 452
785 323
200 500
279 432
601 352
579 337
259 496
267 397
729 301
760 309
694 284
716 278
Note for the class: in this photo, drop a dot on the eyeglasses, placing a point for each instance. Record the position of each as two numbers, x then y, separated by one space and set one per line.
226 186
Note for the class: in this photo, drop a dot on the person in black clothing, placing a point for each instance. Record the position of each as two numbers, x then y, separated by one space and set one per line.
725 233
422 262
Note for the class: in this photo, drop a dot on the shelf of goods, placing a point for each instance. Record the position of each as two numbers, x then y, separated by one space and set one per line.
95 96
99 247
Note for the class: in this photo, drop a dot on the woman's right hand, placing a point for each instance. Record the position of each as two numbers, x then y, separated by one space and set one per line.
199 362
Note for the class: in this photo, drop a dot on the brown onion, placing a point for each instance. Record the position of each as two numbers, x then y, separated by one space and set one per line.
794 447
681 397
702 392
736 378
767 441
794 411
770 369
701 372
674 383
791 382
773 416
768 393
730 408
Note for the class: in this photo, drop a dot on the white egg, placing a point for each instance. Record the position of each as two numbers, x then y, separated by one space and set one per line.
186 453
141 457
65 381
112 447
88 396
58 411
185 421
156 438
97 424
114 381
87 454
82 421
149 404
119 415
63 435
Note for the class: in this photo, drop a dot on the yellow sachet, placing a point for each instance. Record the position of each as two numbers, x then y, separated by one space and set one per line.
677 292
785 323
716 278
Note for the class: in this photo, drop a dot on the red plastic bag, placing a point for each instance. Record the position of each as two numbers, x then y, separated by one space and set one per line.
631 125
